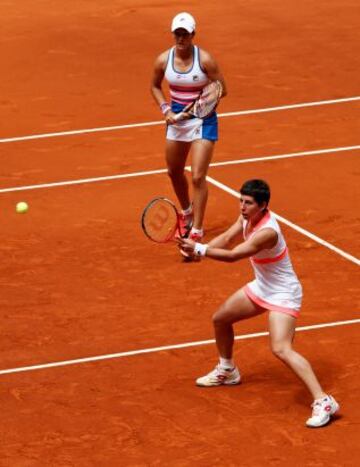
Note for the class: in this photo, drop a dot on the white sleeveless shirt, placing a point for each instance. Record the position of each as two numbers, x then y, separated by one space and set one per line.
276 286
185 86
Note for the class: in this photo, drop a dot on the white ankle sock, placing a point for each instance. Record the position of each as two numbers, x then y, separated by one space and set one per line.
187 211
227 363
197 231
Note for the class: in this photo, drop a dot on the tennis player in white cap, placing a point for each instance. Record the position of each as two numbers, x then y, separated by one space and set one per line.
187 69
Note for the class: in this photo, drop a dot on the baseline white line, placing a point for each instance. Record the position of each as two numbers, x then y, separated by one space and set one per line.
163 348
160 171
299 229
82 180
161 122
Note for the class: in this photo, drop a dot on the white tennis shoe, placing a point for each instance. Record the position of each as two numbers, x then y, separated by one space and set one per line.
220 376
323 409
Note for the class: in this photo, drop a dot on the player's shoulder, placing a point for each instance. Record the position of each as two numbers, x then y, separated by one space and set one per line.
205 56
162 58
267 237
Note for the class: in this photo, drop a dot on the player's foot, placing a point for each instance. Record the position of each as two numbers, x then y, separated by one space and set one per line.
220 376
196 236
323 409
185 224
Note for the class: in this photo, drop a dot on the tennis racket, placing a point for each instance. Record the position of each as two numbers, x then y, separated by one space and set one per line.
160 220
203 105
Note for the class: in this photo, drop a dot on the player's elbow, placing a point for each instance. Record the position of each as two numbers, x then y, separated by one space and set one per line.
231 257
155 88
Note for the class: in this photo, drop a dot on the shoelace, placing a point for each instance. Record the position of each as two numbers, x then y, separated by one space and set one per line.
316 406
321 405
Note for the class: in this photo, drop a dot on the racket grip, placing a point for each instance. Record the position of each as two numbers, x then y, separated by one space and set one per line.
180 116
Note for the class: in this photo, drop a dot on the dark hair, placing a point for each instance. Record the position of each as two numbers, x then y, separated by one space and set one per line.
258 189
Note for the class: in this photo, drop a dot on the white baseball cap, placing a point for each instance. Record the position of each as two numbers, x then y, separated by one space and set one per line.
183 20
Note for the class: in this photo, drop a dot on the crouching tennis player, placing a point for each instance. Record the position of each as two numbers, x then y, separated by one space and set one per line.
275 288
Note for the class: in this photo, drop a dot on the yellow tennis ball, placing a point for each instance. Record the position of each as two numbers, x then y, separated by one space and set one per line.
22 207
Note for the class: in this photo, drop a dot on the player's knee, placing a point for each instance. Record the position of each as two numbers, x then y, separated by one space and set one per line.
218 318
174 174
198 180
221 318
280 350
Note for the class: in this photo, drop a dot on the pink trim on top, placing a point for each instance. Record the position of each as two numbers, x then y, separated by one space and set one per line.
270 260
185 88
270 306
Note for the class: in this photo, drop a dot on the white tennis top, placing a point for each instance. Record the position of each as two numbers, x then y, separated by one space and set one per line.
276 286
186 86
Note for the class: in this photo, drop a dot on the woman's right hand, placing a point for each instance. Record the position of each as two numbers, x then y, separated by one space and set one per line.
170 117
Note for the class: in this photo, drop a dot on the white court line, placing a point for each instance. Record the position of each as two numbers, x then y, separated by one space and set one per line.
163 348
295 227
161 171
317 152
161 122
82 181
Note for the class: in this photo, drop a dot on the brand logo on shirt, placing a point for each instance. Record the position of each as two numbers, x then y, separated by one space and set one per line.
195 78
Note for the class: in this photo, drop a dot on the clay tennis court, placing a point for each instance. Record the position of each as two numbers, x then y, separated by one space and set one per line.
103 332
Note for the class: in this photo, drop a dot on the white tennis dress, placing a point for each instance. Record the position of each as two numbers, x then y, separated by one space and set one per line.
185 87
276 286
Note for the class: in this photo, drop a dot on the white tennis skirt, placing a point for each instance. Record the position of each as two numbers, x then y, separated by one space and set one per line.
286 301
193 129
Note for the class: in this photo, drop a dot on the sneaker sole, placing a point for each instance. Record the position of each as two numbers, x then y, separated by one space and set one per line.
232 383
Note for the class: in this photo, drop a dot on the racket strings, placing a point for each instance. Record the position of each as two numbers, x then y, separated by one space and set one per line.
160 221
208 99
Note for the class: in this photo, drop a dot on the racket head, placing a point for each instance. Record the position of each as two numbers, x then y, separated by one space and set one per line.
208 100
160 220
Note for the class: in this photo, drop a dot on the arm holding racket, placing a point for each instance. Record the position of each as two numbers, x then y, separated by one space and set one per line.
222 241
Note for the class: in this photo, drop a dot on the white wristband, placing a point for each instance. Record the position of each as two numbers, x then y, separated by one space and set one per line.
200 249
165 107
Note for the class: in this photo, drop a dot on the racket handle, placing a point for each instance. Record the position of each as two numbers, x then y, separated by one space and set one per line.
184 114
180 116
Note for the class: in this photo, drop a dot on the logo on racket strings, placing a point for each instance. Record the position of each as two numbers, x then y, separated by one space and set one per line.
160 218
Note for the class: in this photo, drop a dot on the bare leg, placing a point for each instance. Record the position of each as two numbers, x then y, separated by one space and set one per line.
202 151
176 154
237 307
282 330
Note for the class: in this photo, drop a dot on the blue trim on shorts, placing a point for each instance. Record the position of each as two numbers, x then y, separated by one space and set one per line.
209 125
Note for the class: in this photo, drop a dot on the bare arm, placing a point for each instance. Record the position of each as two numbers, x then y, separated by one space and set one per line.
157 78
262 240
212 69
156 86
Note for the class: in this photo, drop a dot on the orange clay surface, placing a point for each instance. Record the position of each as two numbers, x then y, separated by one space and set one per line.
79 279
